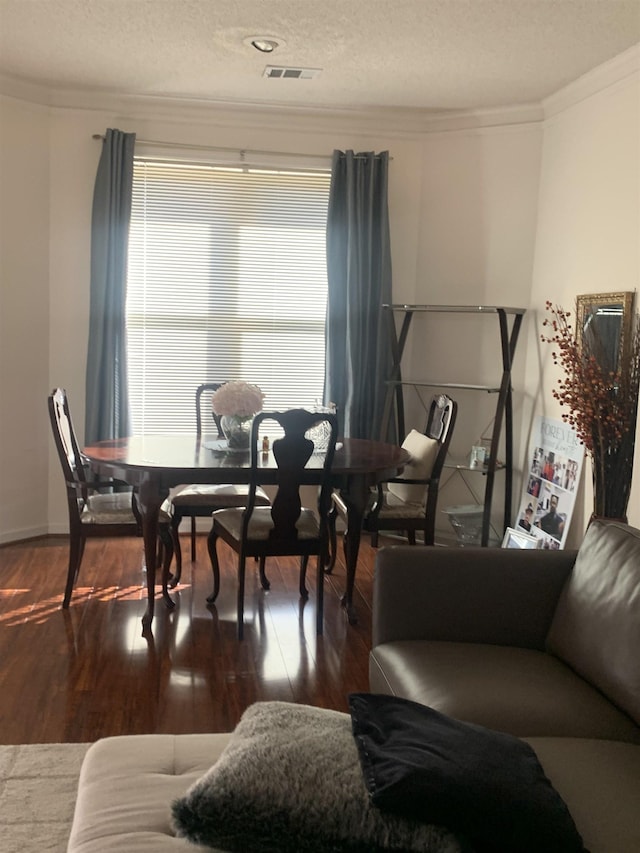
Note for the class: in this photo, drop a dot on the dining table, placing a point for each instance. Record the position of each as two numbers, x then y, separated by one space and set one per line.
154 464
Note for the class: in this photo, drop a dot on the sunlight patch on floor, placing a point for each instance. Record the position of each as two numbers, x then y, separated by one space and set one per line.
36 613
186 678
40 611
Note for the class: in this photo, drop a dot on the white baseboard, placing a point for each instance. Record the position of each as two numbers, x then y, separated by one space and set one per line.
18 535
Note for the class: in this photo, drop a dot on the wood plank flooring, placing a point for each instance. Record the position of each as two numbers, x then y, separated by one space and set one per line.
86 673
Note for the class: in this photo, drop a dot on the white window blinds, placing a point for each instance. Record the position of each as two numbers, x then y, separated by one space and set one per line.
226 280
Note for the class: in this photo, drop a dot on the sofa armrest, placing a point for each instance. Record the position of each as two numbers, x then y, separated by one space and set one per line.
474 595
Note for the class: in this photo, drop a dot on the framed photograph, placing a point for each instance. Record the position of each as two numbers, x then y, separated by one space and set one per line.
552 476
519 539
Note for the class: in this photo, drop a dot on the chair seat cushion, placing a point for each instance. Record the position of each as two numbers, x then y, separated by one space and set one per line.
261 523
116 509
395 507
108 509
221 495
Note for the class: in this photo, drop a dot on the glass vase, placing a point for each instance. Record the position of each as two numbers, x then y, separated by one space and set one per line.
237 431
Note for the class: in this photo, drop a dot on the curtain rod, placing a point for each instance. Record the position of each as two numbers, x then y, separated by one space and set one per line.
241 151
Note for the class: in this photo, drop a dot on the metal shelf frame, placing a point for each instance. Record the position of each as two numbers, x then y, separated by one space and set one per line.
509 322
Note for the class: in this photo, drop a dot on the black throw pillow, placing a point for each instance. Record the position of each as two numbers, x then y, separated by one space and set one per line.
487 785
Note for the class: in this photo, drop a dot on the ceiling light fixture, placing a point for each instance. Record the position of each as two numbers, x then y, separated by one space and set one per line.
265 44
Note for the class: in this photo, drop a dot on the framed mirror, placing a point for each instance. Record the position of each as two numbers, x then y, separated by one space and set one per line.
603 326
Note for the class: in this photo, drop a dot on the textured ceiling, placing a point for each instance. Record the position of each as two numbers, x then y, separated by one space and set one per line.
428 54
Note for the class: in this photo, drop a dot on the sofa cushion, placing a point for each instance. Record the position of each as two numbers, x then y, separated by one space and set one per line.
485 784
596 626
289 781
599 780
520 691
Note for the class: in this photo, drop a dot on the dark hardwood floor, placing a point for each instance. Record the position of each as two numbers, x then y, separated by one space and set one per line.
86 673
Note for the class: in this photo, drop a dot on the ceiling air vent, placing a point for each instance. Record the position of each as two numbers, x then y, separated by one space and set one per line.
280 73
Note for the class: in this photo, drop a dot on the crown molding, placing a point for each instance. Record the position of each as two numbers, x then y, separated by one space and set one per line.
383 121
616 70
25 90
491 118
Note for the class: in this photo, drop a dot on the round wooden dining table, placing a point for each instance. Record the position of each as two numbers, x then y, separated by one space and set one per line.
153 464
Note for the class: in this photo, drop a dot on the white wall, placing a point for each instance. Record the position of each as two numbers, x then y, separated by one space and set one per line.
471 209
24 318
588 233
476 245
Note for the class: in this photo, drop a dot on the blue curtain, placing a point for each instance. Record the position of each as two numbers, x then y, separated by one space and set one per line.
107 408
358 354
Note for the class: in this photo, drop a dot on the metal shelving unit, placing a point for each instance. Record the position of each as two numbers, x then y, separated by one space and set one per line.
509 322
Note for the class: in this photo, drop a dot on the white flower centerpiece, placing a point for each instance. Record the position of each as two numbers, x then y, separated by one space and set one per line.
236 403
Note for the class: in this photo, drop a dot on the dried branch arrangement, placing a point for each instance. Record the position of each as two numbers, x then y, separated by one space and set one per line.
602 404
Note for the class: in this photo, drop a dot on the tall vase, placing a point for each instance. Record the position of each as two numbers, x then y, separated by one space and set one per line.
611 483
237 431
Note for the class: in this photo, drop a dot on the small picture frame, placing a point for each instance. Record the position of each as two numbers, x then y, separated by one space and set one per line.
519 539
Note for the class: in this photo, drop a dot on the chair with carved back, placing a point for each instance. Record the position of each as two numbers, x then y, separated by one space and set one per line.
96 507
285 528
408 502
199 500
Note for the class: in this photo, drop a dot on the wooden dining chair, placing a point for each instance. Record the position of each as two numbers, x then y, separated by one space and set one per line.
285 528
96 507
199 500
408 502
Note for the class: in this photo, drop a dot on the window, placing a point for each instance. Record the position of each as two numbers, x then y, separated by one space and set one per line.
226 280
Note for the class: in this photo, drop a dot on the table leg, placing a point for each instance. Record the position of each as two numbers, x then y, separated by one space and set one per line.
150 499
355 497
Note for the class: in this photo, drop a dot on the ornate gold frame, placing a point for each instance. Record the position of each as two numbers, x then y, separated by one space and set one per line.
585 303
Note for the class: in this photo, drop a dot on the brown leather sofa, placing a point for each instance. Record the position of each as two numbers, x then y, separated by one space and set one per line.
542 644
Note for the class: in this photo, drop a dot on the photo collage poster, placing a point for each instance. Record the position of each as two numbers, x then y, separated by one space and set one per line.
551 478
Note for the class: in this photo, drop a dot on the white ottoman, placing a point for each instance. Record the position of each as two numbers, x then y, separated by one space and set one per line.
126 788
127 785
